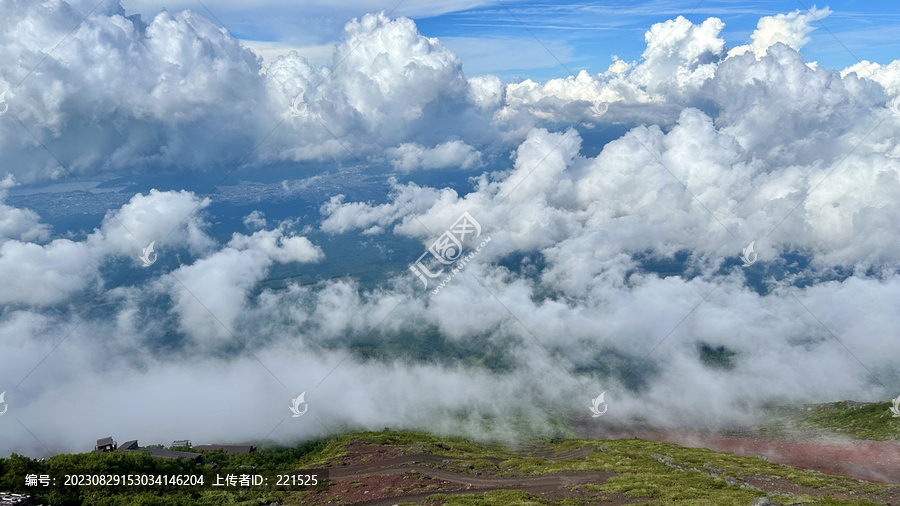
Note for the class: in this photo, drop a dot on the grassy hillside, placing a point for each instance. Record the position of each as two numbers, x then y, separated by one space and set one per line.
846 418
635 469
662 473
430 469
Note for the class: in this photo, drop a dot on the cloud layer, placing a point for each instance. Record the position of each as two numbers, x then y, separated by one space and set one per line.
616 271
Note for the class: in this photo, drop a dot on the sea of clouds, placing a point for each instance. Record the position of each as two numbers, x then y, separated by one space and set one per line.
724 146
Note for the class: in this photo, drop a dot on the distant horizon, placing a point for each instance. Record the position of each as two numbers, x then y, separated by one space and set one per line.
559 40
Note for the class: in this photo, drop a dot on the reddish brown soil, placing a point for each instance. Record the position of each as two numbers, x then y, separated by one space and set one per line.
865 460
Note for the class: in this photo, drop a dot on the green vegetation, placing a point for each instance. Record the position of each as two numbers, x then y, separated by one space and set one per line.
667 473
14 469
717 357
661 473
664 471
494 497
846 418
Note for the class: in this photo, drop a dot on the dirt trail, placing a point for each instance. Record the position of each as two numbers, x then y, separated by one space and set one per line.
378 472
571 454
476 484
564 479
404 461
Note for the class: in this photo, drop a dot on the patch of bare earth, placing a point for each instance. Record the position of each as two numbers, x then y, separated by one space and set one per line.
386 475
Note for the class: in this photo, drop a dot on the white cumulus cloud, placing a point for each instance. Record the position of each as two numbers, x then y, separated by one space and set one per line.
408 157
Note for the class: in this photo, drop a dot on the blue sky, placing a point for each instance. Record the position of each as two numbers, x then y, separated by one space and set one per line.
540 39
